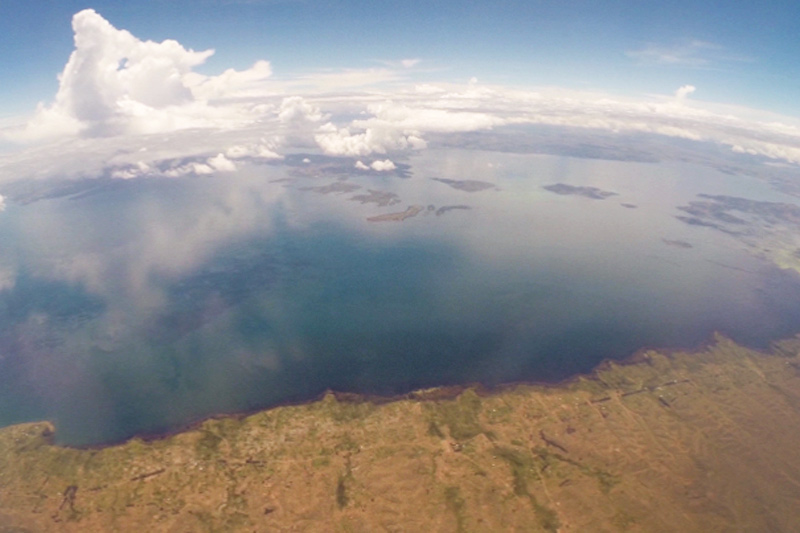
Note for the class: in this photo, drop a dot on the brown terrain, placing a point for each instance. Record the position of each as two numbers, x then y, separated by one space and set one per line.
704 441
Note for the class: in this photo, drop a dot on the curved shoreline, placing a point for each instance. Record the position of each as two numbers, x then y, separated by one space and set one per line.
435 393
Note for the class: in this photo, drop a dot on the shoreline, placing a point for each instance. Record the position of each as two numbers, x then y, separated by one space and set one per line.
651 443
429 394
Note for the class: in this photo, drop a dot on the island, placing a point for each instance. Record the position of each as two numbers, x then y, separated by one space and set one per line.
682 441
381 198
447 208
466 185
337 187
677 243
574 190
412 211
765 229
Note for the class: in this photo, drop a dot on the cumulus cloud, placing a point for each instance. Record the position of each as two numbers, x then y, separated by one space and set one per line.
296 109
398 127
221 163
684 91
212 165
361 166
383 166
265 149
114 83
379 138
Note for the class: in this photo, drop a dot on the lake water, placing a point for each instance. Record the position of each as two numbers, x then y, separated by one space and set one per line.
134 307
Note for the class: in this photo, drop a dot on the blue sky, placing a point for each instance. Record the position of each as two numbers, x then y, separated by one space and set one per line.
732 51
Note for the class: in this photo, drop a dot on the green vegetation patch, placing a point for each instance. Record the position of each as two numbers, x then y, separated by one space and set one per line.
522 468
207 444
459 415
456 505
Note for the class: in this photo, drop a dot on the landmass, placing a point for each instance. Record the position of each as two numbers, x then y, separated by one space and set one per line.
466 185
446 208
412 211
336 187
573 190
686 441
382 198
677 243
770 230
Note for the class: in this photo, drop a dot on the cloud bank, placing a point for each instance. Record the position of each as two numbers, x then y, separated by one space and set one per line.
129 108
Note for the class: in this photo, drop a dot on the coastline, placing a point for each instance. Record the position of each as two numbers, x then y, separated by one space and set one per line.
432 394
655 440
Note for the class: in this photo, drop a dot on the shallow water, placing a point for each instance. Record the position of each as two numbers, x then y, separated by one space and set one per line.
138 307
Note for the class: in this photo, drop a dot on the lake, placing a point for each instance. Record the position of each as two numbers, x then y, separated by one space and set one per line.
132 307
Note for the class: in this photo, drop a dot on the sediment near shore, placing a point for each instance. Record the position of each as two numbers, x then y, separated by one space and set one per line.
703 441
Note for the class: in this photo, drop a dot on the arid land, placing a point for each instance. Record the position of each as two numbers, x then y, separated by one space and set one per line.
704 441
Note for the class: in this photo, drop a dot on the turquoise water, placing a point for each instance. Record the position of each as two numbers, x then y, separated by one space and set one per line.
143 306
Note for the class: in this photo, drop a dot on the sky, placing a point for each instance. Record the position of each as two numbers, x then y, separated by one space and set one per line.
733 51
200 85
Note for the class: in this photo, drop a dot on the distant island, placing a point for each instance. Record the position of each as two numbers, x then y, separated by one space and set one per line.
412 211
677 243
446 208
766 229
664 442
382 198
466 185
337 187
574 190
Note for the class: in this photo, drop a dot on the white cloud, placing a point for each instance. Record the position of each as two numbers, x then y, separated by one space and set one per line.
341 80
361 166
2 203
114 83
296 109
221 163
383 166
684 91
266 149
398 127
230 83
694 54
409 63
427 88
